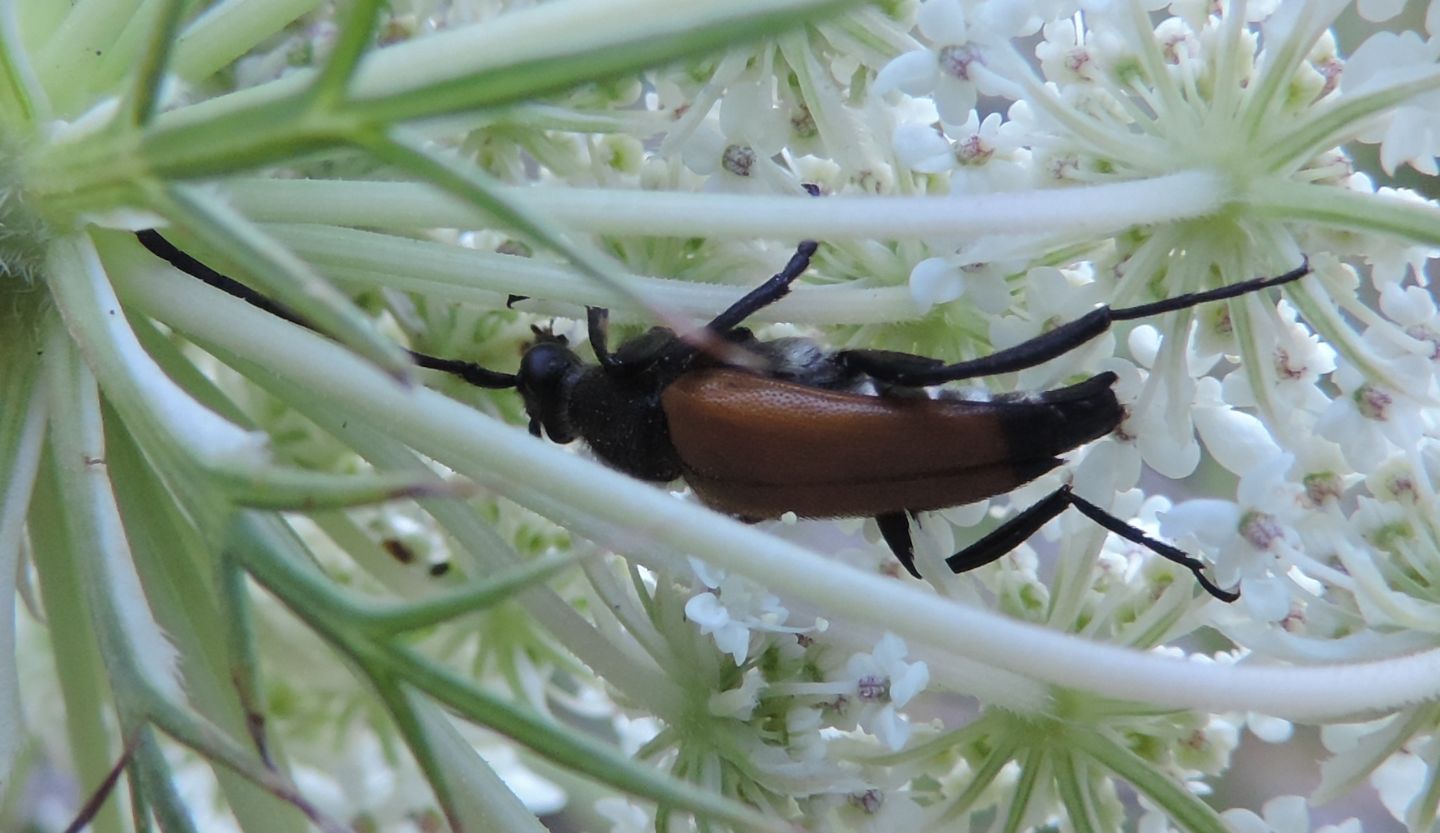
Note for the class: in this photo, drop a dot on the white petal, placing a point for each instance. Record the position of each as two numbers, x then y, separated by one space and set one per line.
1266 599
943 22
1236 439
1399 781
706 611
733 639
913 73
1379 11
1244 821
935 281
1212 522
1270 729
1287 814
920 147
889 728
904 687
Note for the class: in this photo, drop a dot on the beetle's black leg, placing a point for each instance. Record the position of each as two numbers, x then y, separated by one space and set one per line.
767 293
598 321
1009 535
895 529
1165 551
165 250
920 371
1018 529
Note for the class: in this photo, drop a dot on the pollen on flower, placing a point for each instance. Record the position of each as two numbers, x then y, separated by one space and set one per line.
1261 529
738 160
1372 402
1323 487
873 688
955 61
869 801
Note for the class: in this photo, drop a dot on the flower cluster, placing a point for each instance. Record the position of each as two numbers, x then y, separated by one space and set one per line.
1012 164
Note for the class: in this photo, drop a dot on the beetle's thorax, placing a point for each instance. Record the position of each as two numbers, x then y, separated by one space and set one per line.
620 417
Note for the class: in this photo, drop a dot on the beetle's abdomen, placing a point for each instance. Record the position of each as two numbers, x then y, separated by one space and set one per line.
759 447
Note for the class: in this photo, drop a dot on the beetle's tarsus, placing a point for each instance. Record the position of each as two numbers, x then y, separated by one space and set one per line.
895 529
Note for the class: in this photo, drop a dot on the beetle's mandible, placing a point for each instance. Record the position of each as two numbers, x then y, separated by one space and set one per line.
822 434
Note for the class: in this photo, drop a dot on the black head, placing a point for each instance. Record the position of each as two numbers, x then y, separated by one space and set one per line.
547 374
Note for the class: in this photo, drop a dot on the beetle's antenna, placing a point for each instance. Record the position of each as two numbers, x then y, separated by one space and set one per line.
922 371
480 377
168 252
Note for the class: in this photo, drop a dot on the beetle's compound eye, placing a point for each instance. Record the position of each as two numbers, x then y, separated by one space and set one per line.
547 371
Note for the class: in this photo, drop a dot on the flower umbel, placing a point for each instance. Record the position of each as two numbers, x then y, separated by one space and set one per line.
360 587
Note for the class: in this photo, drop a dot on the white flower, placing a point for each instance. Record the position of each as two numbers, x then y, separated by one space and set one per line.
1285 814
1411 134
882 683
1401 780
967 38
1252 540
732 608
980 156
1369 420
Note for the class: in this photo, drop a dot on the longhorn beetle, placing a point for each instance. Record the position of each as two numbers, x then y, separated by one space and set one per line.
804 433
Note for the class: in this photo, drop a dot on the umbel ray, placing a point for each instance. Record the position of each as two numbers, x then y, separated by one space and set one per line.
823 434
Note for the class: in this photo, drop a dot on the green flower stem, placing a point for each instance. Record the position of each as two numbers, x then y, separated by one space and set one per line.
1071 783
70 58
1156 70
1182 806
327 90
137 656
22 428
1345 772
483 192
549 48
142 99
1411 220
579 491
1034 768
229 29
27 102
174 425
1102 142
507 60
479 794
1082 211
255 544
367 259
1280 69
472 795
493 590
996 758
83 686
1336 125
276 272
180 586
138 660
1423 809
157 786
628 671
1320 311
870 33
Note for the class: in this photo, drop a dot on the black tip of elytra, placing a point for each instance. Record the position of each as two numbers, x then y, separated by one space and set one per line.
1056 421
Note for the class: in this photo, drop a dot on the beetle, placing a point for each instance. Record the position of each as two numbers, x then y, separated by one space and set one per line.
822 434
